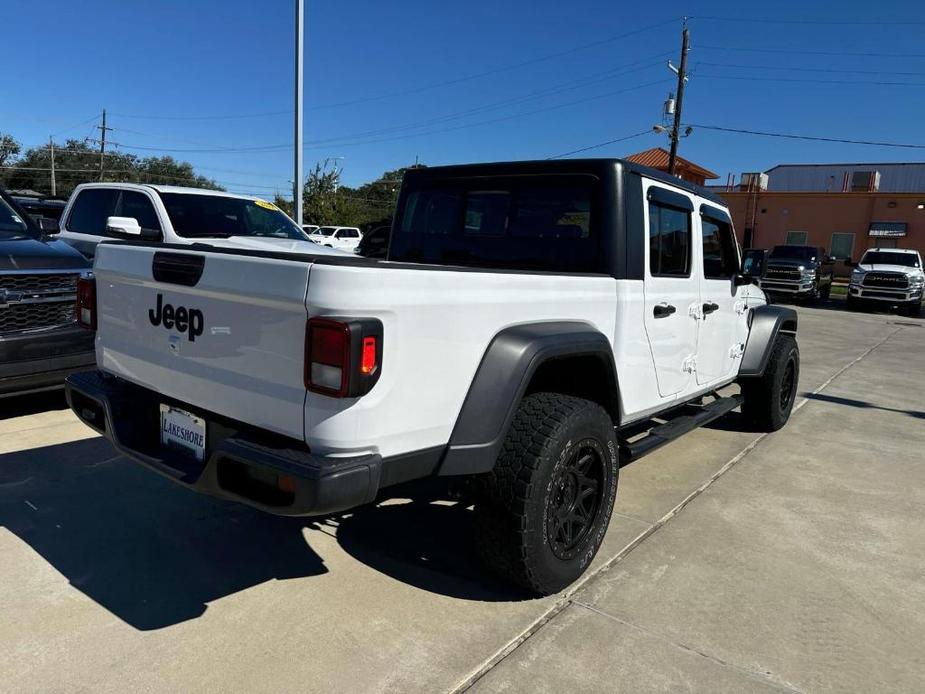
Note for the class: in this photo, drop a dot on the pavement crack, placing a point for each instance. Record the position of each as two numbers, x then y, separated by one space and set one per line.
764 676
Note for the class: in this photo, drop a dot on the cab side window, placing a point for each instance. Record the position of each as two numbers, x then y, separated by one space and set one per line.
90 210
138 205
720 260
669 241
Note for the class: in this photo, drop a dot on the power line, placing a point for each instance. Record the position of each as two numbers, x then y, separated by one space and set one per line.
791 136
752 49
812 69
418 89
750 78
601 144
756 20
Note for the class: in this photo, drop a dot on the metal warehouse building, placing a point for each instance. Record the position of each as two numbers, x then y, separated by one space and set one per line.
845 208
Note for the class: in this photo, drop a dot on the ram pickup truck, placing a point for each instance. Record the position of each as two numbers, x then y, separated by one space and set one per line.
887 277
98 212
533 325
798 273
40 341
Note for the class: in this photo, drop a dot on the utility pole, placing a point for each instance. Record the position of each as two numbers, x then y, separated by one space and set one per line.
102 128
297 178
51 148
682 79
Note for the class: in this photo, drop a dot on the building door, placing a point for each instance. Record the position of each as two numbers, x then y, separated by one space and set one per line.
672 290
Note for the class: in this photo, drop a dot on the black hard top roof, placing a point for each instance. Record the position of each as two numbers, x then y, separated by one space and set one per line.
597 167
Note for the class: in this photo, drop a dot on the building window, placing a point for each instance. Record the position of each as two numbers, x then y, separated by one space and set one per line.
797 238
842 246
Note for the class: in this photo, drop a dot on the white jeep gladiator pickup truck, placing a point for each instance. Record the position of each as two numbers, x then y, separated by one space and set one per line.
888 277
533 325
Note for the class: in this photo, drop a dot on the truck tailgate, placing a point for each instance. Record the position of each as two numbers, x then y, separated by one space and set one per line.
231 341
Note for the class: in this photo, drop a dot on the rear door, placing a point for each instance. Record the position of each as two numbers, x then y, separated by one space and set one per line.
672 290
722 308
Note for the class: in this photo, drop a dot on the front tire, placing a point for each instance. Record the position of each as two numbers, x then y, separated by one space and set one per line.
769 398
544 509
912 309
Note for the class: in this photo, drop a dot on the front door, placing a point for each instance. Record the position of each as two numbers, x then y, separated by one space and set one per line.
672 290
723 309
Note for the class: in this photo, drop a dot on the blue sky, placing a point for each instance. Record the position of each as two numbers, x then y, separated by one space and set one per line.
454 82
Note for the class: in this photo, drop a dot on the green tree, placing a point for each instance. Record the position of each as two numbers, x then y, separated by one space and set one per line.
319 196
9 149
76 162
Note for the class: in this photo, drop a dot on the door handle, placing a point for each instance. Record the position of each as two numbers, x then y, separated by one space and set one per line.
663 310
710 308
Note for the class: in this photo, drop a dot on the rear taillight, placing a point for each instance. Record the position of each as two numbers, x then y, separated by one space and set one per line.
343 357
86 302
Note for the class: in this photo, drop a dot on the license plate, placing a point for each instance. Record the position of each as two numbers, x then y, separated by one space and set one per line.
183 431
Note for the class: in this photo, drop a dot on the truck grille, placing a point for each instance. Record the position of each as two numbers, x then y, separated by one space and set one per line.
783 273
887 280
36 301
55 284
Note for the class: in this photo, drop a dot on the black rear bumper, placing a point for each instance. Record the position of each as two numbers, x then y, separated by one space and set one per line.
273 473
41 360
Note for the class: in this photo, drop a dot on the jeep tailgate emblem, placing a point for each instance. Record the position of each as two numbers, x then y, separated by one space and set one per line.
184 320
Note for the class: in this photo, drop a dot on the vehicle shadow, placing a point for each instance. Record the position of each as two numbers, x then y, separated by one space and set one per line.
863 404
425 538
151 553
24 405
154 554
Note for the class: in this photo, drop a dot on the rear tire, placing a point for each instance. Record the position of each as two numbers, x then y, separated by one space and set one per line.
543 510
826 293
769 398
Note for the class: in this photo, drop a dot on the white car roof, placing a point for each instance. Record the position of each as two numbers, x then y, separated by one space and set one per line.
188 190
911 251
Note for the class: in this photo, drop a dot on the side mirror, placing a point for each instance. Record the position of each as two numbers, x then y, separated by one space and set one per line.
48 225
127 226
754 261
741 280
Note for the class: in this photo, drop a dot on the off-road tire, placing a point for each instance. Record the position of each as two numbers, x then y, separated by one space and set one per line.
769 398
852 304
520 502
912 309
826 293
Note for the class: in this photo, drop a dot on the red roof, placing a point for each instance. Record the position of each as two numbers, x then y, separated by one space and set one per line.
657 158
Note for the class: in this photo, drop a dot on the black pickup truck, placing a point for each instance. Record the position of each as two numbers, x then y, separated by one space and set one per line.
798 273
40 340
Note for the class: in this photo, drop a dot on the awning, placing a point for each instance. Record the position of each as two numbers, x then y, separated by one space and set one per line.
889 229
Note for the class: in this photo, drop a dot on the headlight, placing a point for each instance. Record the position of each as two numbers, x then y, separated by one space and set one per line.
857 276
916 281
809 275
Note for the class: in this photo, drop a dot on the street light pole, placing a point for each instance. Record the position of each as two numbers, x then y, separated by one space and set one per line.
297 173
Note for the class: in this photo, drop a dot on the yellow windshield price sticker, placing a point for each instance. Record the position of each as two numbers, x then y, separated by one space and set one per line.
266 205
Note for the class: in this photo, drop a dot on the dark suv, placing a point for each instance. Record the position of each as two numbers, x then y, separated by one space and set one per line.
798 272
40 341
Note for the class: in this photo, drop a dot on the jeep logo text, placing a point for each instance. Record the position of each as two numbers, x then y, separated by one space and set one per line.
182 319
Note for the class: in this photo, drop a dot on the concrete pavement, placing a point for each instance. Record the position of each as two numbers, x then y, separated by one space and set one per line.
733 562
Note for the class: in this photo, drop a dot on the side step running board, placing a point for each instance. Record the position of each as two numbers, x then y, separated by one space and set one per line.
696 416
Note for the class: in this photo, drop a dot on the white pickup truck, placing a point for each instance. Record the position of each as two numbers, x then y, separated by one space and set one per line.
534 325
98 212
888 277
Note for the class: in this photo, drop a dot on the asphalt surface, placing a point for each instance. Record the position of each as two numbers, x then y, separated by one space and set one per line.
734 561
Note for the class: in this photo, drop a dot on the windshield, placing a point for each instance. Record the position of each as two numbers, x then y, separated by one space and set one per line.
12 225
803 253
200 216
326 231
888 258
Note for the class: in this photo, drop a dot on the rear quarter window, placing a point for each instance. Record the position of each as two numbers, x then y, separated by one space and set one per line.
541 223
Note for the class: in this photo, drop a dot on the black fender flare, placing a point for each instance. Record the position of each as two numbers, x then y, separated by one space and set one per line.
501 380
765 323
